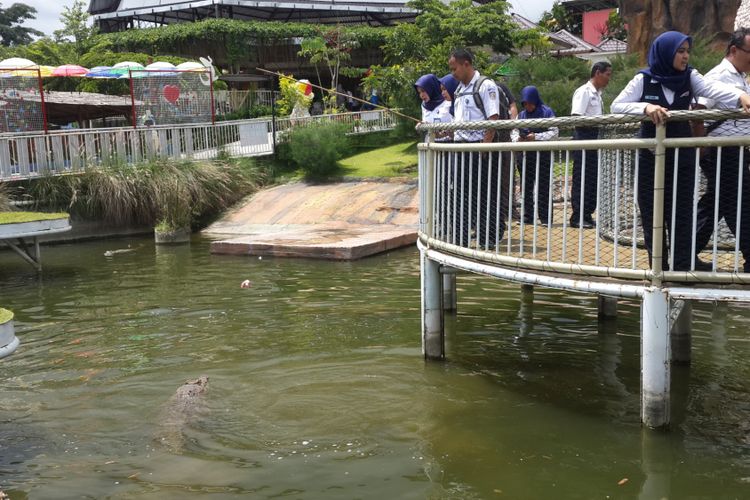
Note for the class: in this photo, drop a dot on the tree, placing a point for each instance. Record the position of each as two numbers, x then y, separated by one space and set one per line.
414 49
615 27
11 19
559 19
333 50
75 21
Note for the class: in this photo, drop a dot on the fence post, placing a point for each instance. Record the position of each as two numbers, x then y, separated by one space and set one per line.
657 224
273 124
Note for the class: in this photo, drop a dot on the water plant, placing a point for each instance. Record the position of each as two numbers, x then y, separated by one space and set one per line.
171 193
4 198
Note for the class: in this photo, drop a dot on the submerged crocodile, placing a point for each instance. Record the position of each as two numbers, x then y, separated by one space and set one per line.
183 408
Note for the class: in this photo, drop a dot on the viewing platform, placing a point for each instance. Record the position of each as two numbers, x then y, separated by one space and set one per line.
22 226
465 188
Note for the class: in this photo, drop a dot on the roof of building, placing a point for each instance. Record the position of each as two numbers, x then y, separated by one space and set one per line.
564 42
116 13
578 45
613 45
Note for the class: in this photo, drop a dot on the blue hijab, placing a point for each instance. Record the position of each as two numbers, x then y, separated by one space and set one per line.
661 60
431 85
450 84
531 94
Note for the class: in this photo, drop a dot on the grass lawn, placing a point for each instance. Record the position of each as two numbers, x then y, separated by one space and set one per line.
18 217
397 160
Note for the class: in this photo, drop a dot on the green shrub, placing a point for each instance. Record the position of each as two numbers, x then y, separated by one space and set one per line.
315 149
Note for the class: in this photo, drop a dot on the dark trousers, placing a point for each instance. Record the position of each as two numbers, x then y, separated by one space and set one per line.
683 229
729 182
588 176
479 199
528 181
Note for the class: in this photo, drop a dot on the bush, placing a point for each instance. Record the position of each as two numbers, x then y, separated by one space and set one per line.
315 149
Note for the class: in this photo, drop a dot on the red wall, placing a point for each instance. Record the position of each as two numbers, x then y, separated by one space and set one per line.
593 24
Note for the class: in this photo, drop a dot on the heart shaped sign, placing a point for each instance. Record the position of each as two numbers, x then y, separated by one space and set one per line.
171 93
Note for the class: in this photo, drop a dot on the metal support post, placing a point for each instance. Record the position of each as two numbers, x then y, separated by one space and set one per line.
681 332
450 300
433 332
655 358
607 307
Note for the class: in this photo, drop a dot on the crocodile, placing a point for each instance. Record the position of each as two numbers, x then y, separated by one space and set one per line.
183 408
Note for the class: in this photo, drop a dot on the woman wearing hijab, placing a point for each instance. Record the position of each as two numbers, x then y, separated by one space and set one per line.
534 107
669 83
435 109
448 86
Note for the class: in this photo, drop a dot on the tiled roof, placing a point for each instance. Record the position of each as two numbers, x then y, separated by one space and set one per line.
612 45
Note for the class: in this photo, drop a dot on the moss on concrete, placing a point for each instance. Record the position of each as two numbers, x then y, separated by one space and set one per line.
5 315
20 217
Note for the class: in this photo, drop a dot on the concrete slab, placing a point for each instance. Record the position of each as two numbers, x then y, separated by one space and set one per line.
342 221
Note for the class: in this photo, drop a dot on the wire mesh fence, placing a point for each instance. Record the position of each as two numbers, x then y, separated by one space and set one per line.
21 102
171 97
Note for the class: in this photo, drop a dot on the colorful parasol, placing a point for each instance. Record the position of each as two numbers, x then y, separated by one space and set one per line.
70 70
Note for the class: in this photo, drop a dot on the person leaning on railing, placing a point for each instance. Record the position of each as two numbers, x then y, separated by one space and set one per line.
466 109
669 83
732 70
534 107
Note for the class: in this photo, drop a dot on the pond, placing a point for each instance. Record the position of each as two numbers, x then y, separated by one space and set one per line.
317 387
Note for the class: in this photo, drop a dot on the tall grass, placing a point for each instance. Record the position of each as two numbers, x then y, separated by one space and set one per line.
4 198
168 193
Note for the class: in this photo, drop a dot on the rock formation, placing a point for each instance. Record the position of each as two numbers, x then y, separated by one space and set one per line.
647 19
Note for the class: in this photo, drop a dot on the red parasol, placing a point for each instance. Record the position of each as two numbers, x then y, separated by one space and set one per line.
69 70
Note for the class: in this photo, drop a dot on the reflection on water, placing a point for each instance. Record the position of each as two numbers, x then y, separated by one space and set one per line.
318 388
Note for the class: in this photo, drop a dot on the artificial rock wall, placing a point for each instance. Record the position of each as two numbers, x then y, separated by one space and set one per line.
648 18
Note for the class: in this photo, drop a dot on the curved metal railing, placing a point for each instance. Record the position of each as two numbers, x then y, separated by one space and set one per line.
471 191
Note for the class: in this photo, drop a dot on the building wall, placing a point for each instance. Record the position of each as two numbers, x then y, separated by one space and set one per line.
593 23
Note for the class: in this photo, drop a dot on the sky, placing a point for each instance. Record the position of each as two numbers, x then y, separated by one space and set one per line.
48 11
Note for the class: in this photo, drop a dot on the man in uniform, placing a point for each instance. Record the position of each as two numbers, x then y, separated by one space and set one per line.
732 71
488 231
587 101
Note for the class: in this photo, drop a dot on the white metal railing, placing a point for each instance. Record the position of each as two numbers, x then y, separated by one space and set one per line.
27 155
30 155
509 204
360 122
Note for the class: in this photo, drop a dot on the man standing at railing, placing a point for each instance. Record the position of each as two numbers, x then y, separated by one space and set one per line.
732 70
474 91
587 101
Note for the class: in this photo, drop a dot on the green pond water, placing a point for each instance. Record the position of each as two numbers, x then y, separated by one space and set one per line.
318 388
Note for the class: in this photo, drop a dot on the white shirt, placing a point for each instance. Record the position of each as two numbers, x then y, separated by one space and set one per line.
466 110
587 101
628 101
726 72
441 114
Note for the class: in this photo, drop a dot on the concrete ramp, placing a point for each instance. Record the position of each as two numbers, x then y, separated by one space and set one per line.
348 220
